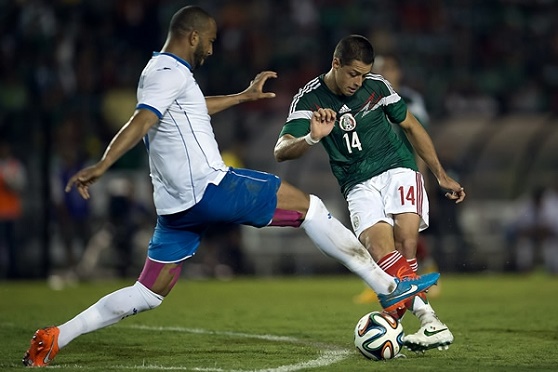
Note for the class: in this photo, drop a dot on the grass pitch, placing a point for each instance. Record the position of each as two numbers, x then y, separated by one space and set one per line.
500 323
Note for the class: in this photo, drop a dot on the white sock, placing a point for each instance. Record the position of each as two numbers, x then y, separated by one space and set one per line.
338 242
423 311
109 310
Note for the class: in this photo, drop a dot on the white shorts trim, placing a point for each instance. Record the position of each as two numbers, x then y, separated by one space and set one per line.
396 191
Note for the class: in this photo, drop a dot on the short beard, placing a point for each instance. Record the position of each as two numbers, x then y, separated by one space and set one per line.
199 57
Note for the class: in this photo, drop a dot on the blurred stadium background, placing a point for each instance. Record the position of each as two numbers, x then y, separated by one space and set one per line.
488 71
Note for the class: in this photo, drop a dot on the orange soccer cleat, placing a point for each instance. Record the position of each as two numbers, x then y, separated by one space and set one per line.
43 349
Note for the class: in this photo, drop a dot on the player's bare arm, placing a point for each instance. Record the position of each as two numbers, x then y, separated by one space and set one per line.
254 92
126 138
424 147
289 147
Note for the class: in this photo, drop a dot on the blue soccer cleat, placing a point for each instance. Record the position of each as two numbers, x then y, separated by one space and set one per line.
406 288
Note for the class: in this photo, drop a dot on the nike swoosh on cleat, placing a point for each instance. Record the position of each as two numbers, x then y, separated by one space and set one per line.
428 333
411 289
47 357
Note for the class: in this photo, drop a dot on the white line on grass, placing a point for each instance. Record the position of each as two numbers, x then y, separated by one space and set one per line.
329 355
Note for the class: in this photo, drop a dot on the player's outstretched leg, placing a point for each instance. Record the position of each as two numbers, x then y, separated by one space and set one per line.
406 289
110 309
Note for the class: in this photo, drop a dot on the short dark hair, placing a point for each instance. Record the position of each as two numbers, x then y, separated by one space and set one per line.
354 48
187 19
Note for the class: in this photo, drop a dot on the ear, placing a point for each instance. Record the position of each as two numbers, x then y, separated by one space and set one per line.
194 38
336 63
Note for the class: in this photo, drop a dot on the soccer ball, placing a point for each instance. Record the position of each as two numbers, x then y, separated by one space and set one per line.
378 336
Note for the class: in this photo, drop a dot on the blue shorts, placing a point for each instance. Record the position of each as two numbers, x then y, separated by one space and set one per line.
244 197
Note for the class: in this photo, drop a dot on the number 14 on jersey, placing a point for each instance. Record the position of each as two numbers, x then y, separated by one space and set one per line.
352 141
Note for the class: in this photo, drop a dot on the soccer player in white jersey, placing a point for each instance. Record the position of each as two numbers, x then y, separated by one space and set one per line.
193 188
376 172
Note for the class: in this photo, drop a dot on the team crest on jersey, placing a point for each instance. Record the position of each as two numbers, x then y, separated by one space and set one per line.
347 122
356 222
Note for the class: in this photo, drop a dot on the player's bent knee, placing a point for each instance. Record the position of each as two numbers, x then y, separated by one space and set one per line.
151 299
126 302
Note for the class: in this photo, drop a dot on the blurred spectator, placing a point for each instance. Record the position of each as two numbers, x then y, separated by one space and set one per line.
12 183
128 219
533 234
72 213
450 248
93 46
465 99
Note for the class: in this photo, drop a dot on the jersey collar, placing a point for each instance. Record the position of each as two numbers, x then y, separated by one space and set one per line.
184 62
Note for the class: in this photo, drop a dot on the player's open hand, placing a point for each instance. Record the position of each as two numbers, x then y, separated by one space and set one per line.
322 123
83 179
255 89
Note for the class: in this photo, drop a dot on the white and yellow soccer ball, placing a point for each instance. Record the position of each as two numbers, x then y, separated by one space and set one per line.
378 336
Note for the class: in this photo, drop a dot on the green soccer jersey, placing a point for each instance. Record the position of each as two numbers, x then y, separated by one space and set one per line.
362 144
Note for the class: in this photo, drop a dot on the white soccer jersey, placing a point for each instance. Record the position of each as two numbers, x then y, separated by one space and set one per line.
183 153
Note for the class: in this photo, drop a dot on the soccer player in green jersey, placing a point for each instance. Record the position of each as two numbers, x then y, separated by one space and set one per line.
389 66
350 111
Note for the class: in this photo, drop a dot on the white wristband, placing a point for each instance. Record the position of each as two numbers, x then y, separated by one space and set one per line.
309 140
